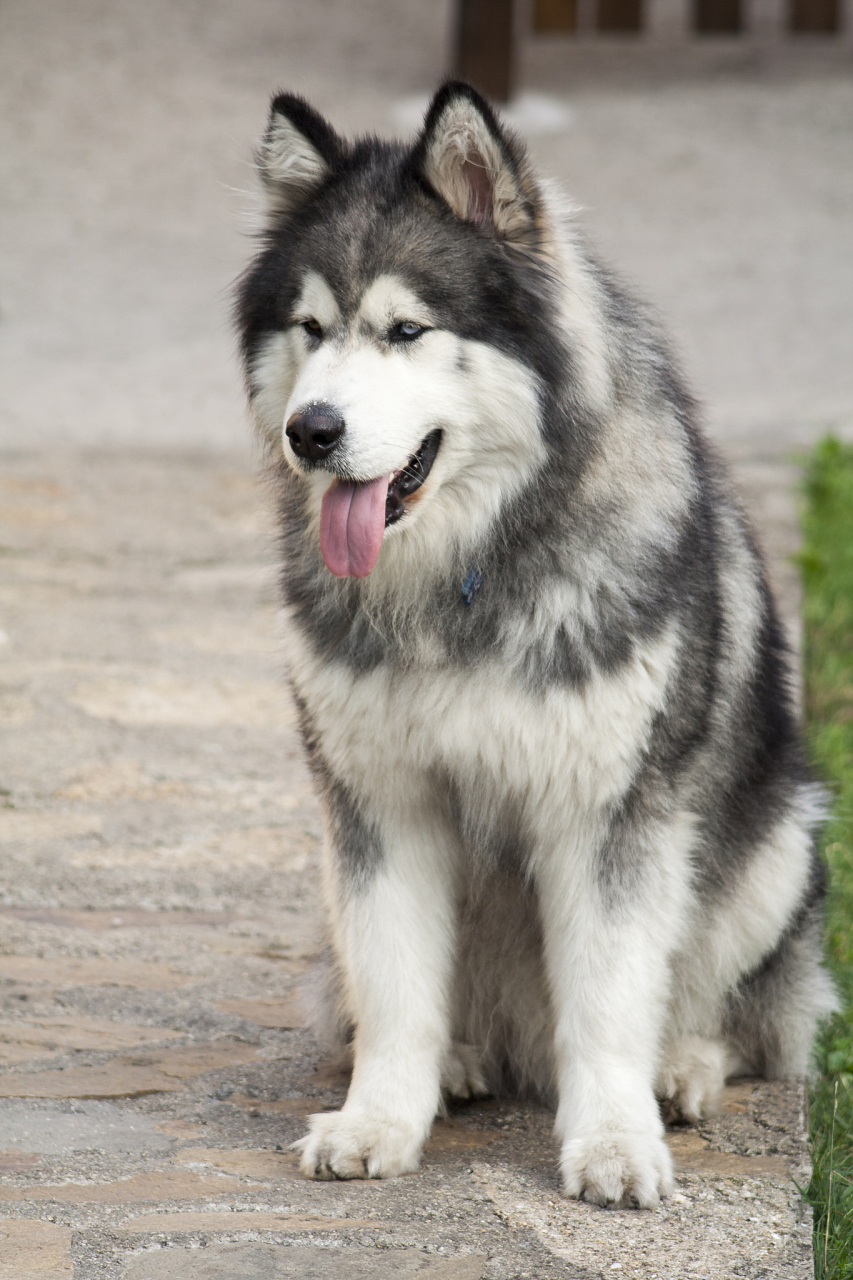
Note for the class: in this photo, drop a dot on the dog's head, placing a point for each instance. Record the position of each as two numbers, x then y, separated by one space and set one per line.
397 328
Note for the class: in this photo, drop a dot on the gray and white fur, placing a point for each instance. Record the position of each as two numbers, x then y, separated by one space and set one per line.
570 833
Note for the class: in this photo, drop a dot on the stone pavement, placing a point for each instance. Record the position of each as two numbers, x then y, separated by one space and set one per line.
158 910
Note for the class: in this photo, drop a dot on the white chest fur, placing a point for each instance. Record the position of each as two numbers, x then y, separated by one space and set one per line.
572 750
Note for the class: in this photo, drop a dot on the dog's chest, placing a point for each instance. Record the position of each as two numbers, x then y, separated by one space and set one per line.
383 733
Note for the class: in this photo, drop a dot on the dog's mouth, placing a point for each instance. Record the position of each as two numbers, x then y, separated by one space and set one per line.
355 515
409 479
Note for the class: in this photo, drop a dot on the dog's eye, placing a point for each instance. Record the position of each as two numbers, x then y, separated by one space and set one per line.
406 331
313 327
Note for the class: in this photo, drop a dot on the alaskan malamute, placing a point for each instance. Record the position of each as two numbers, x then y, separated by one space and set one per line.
543 687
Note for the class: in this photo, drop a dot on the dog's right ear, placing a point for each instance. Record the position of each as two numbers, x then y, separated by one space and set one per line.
298 152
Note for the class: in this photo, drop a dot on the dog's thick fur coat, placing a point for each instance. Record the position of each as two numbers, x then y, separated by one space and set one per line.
569 830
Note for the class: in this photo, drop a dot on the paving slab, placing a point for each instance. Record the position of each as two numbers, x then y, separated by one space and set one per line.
154 1187
71 971
158 914
266 1165
285 1014
19 1039
128 1075
265 1262
60 1129
32 1250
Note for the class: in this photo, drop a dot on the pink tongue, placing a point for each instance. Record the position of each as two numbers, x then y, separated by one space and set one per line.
352 522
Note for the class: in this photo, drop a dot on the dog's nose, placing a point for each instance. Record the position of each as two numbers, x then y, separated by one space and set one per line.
314 433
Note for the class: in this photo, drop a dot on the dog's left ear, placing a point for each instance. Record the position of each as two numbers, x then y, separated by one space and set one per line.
475 166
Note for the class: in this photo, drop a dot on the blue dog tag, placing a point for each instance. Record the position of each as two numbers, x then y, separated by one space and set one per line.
471 586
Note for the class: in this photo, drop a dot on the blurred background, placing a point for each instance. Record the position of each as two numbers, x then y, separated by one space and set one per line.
709 144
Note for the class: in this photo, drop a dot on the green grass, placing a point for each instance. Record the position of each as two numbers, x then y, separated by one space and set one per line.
826 563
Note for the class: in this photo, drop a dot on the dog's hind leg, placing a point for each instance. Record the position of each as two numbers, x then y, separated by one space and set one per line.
393 917
772 1014
692 1075
462 1072
764 1025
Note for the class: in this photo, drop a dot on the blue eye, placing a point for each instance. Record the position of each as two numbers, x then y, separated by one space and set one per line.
406 331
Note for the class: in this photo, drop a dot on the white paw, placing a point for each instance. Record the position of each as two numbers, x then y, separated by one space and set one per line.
350 1144
691 1079
618 1168
461 1073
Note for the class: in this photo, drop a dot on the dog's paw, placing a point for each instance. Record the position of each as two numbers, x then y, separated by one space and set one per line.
461 1073
350 1144
691 1080
621 1169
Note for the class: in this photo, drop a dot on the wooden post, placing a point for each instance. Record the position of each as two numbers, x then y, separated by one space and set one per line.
484 39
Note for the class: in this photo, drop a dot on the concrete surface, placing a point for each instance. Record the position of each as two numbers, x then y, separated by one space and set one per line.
158 911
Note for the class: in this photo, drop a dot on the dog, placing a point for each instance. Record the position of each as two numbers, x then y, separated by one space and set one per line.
543 688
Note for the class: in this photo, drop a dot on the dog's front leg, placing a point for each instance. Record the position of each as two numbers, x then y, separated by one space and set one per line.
394 926
606 955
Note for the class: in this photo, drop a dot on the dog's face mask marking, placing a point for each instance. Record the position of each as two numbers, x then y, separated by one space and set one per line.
382 399
372 395
375 368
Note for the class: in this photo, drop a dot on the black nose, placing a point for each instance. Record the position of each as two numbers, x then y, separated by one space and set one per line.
314 433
